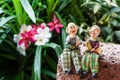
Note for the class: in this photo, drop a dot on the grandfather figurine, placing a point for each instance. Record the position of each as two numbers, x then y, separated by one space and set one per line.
91 55
72 50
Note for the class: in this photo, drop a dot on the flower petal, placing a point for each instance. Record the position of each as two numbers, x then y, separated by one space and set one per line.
50 24
60 25
57 29
52 28
21 50
21 41
56 21
16 38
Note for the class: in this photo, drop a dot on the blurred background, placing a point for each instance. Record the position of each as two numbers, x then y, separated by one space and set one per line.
84 13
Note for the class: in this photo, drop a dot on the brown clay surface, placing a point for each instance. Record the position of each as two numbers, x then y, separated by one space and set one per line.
109 65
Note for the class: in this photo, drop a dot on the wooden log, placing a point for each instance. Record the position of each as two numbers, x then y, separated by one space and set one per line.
109 65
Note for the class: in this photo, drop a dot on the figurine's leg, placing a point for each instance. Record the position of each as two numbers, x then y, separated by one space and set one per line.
85 63
76 60
94 64
66 60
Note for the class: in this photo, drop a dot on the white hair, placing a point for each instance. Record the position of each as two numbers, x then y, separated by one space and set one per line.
71 24
96 27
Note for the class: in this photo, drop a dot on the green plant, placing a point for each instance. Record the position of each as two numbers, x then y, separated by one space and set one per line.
14 13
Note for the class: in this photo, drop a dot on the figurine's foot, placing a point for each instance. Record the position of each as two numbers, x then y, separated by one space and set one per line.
68 71
78 71
84 74
94 75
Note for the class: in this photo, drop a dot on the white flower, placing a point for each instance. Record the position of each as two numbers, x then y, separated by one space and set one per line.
16 38
21 50
44 32
41 40
44 24
42 36
25 28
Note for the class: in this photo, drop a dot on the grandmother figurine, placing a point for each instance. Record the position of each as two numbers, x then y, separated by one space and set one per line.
72 50
91 55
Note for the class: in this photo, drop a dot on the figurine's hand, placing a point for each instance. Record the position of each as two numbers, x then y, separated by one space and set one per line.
84 44
77 43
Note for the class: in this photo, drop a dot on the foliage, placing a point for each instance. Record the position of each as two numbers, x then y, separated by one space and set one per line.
40 62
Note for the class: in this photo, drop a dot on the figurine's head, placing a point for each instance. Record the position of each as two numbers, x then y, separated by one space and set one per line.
71 28
94 31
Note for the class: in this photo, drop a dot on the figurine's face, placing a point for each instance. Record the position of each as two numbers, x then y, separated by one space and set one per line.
94 32
72 30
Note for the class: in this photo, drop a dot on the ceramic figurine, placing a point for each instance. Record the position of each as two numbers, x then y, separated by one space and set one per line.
71 52
90 58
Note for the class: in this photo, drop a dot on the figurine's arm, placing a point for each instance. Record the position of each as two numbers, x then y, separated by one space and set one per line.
96 46
78 41
67 40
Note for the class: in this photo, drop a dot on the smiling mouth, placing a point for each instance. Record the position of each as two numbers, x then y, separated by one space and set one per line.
73 31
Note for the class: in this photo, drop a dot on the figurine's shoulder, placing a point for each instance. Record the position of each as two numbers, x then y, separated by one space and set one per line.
92 40
68 37
77 36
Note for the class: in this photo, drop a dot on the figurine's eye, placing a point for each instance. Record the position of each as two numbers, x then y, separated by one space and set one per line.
94 31
71 27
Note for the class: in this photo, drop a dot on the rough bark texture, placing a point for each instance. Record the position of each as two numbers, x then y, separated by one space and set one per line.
109 65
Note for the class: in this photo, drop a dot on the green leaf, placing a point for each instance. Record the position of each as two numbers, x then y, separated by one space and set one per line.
34 3
50 8
27 7
104 18
115 23
56 47
113 3
1 11
109 37
4 20
51 62
79 12
37 63
7 56
108 2
106 31
18 10
49 73
55 4
63 5
1 30
63 37
2 78
114 10
72 18
117 35
96 8
2 37
20 76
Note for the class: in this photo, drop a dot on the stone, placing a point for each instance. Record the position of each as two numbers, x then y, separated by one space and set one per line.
109 65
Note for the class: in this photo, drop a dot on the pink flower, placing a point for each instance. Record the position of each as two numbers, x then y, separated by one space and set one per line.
24 40
31 34
55 24
38 34
26 36
42 26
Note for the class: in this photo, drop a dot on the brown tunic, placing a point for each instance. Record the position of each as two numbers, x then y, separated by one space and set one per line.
94 44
